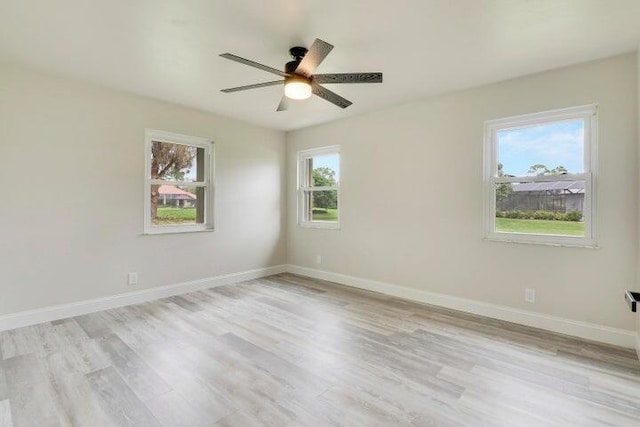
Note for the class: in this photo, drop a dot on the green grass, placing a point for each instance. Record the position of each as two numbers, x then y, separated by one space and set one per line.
173 215
540 226
325 214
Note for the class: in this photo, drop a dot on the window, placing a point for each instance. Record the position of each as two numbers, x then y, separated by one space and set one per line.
178 183
319 187
539 177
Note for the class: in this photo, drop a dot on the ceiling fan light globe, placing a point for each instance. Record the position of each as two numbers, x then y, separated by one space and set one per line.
297 90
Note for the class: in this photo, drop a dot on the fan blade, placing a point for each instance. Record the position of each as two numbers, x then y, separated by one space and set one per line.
316 54
284 104
348 78
255 86
332 97
253 64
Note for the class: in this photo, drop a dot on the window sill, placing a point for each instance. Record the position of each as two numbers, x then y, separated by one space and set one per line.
320 224
557 241
176 230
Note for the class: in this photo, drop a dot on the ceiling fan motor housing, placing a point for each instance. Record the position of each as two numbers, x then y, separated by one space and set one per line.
298 52
290 67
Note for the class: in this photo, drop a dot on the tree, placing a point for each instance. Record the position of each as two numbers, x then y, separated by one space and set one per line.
503 190
325 177
541 170
558 170
168 161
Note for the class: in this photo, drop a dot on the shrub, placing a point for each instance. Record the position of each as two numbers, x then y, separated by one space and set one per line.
574 216
513 214
543 215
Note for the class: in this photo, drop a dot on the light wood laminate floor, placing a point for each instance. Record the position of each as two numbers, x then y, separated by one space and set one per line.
292 351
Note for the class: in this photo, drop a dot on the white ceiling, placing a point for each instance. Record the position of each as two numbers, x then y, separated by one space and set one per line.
168 49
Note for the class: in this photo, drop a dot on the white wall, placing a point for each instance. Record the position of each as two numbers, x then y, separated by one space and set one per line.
71 217
71 210
411 192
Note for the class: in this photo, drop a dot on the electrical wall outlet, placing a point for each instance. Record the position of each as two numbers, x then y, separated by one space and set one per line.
530 295
132 279
318 259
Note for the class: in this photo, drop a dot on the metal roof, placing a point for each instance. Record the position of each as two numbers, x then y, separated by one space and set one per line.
575 187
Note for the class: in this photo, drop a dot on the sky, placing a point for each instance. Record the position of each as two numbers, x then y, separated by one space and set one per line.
191 175
552 145
329 161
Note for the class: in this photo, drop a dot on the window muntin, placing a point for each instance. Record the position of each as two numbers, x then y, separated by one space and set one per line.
178 184
539 177
318 187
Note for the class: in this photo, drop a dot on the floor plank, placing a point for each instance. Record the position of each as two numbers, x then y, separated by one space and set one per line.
4 389
30 392
119 401
293 351
144 382
5 414
72 394
173 410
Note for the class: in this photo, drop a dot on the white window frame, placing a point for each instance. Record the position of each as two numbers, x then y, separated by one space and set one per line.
152 135
303 177
589 113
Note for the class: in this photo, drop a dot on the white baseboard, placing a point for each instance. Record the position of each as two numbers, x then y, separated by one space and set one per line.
590 331
48 314
605 334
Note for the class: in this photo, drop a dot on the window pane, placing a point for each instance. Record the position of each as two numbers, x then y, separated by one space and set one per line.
548 207
172 205
176 162
325 170
323 206
547 149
